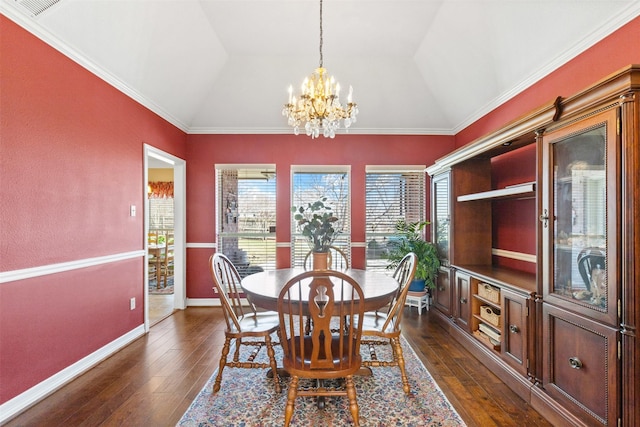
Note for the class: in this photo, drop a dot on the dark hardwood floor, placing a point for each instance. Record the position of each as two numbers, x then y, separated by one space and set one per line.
152 381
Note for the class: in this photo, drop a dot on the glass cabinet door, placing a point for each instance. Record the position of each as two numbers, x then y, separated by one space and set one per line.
578 218
441 216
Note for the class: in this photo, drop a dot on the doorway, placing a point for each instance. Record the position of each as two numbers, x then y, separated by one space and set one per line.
164 233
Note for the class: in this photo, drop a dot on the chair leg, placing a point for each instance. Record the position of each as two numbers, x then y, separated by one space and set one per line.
399 356
236 353
353 402
223 362
272 360
291 398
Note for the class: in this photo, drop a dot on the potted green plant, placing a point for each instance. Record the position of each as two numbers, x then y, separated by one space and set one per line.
408 239
315 221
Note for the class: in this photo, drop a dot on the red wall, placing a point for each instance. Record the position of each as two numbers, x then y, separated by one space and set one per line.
514 221
71 164
204 151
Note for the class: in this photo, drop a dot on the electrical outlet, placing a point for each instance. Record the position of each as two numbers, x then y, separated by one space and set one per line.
132 303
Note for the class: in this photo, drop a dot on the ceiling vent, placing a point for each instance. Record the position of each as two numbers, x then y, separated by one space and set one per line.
36 7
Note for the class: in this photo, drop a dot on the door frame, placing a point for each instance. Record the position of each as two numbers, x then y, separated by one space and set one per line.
180 227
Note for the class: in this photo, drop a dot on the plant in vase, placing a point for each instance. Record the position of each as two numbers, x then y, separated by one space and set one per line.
409 239
316 223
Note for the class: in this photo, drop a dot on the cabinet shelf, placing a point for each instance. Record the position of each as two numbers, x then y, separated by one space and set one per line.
517 281
486 322
485 340
525 190
486 301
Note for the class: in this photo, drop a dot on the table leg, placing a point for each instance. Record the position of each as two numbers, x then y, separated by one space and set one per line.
282 373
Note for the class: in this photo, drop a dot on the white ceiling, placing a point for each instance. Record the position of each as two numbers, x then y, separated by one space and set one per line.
416 66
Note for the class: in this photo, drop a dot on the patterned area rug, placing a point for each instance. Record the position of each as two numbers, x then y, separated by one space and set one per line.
167 290
248 399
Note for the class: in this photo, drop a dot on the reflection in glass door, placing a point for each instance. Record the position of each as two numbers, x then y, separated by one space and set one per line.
579 190
579 207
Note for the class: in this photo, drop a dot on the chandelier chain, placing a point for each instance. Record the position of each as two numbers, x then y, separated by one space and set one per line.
321 59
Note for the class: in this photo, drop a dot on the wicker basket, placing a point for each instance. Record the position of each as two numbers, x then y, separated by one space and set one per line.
490 314
489 292
487 340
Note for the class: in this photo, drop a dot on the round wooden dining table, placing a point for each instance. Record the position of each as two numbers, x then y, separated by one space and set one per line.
263 288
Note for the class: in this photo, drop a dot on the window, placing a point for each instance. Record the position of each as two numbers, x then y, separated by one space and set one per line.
161 206
392 193
246 216
161 214
313 183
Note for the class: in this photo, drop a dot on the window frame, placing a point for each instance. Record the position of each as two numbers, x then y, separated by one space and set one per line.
266 247
299 246
376 261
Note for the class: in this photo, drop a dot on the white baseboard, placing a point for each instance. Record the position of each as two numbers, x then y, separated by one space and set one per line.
13 407
209 302
203 302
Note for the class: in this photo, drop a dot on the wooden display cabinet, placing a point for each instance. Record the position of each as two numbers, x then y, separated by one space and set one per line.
581 238
565 331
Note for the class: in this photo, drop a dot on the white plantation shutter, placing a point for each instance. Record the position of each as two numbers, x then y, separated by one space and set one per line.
392 193
246 216
311 183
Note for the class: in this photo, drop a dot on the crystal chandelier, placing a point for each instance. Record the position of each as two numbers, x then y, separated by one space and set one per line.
318 108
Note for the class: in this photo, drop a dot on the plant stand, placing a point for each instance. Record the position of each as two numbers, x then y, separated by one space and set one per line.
418 299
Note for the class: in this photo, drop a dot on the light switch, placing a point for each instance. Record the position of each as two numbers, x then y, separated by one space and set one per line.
132 210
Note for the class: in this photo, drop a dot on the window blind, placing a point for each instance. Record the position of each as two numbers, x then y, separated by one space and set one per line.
391 194
161 213
246 216
312 184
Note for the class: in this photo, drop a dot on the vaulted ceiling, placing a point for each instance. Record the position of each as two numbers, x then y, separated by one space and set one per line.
416 66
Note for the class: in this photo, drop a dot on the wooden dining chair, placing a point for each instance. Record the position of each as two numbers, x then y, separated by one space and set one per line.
152 237
166 262
332 349
245 328
384 328
337 259
157 260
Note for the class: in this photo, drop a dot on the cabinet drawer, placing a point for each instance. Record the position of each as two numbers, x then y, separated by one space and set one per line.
580 365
